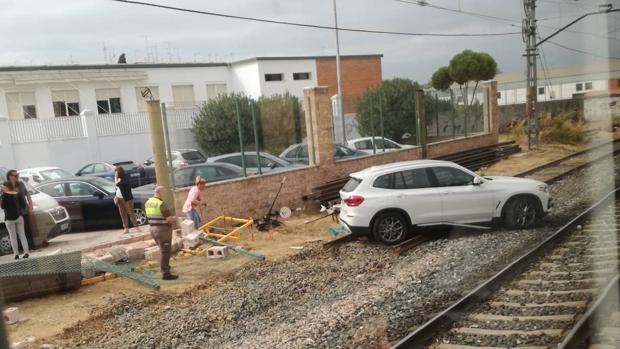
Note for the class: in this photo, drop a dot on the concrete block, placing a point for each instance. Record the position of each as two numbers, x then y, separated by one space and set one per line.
187 227
12 315
152 254
108 258
217 252
134 253
18 345
118 253
192 240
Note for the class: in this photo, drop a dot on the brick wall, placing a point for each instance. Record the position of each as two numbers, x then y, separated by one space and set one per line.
358 75
251 197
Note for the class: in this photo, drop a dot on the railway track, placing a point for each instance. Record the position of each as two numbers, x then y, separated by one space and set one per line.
555 170
535 301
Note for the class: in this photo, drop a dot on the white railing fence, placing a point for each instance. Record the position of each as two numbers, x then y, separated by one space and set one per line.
37 130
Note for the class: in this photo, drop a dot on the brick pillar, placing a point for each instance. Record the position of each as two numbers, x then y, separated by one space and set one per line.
317 107
490 108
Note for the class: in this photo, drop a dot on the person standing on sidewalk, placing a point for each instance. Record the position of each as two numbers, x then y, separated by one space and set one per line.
194 201
12 203
29 222
160 222
124 199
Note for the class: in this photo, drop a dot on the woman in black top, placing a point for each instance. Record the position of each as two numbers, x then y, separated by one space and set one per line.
12 203
124 199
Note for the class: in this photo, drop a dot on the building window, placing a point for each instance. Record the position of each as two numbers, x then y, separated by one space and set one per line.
183 96
301 76
541 90
108 101
141 100
30 111
499 95
65 103
214 90
588 85
273 77
21 105
579 87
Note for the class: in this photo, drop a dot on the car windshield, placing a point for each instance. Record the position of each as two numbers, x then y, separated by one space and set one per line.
193 156
55 174
127 166
105 184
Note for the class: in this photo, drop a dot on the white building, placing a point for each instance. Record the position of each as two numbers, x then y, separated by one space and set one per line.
560 83
52 91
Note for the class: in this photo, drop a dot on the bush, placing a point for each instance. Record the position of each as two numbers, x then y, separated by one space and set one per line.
281 121
215 127
561 129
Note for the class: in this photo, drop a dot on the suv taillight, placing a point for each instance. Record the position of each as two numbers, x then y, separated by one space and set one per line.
354 201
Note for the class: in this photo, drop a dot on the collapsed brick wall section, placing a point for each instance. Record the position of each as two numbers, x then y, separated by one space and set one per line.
251 197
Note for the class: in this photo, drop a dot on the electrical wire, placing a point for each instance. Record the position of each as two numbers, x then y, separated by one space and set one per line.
314 26
580 51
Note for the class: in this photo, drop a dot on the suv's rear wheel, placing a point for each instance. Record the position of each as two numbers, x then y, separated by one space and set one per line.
521 212
390 228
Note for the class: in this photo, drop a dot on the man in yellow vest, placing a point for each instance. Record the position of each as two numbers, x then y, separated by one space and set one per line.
160 220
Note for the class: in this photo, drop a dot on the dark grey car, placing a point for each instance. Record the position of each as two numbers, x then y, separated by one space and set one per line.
298 153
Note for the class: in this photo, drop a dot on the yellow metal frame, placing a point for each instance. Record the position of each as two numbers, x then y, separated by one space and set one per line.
233 234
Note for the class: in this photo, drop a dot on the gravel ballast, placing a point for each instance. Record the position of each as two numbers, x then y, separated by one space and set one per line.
358 295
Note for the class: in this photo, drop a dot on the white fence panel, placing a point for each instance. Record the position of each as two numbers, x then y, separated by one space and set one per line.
36 130
120 124
181 119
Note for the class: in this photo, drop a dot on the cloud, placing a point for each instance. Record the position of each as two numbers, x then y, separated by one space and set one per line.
64 31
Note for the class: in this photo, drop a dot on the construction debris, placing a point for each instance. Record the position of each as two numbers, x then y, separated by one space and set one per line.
128 272
12 316
234 248
217 252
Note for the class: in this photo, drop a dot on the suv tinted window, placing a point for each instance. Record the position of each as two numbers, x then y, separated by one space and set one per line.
80 189
449 177
384 181
351 185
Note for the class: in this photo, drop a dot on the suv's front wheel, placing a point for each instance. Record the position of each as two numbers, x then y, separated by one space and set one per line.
521 212
390 228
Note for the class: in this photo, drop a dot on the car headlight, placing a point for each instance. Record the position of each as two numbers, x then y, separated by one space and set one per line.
544 188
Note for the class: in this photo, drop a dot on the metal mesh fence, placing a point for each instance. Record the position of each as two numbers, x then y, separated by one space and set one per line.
45 265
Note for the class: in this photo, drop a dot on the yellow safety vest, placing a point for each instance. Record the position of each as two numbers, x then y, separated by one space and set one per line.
153 211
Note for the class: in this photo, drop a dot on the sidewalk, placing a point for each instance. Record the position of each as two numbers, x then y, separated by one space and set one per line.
87 241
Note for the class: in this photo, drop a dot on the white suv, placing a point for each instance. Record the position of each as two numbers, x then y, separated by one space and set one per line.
386 201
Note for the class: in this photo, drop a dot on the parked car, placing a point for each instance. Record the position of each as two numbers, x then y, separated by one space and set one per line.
90 201
268 162
298 153
365 145
387 201
186 177
137 174
37 175
181 158
50 218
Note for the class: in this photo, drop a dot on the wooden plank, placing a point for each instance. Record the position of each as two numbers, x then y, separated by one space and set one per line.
577 304
493 317
485 332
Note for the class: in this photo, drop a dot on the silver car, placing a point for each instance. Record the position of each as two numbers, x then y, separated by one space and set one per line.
268 163
50 219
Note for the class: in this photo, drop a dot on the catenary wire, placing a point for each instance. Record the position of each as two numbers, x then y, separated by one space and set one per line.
315 26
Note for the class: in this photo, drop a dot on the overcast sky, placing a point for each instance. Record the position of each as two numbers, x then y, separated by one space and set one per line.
36 32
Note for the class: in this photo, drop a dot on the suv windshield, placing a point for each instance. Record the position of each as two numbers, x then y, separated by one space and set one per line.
351 185
127 166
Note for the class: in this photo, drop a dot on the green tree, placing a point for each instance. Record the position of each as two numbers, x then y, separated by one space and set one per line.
394 100
215 127
466 68
281 121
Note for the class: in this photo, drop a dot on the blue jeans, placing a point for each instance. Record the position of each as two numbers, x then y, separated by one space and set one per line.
194 216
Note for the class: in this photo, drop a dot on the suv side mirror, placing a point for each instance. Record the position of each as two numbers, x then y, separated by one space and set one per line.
477 181
98 194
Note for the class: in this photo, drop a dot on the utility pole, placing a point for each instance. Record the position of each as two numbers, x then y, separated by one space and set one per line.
338 77
531 53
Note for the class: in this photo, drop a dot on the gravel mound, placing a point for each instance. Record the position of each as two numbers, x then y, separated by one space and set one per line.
359 295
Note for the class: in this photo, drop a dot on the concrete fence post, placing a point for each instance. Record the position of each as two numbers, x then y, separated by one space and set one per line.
317 107
162 171
7 155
